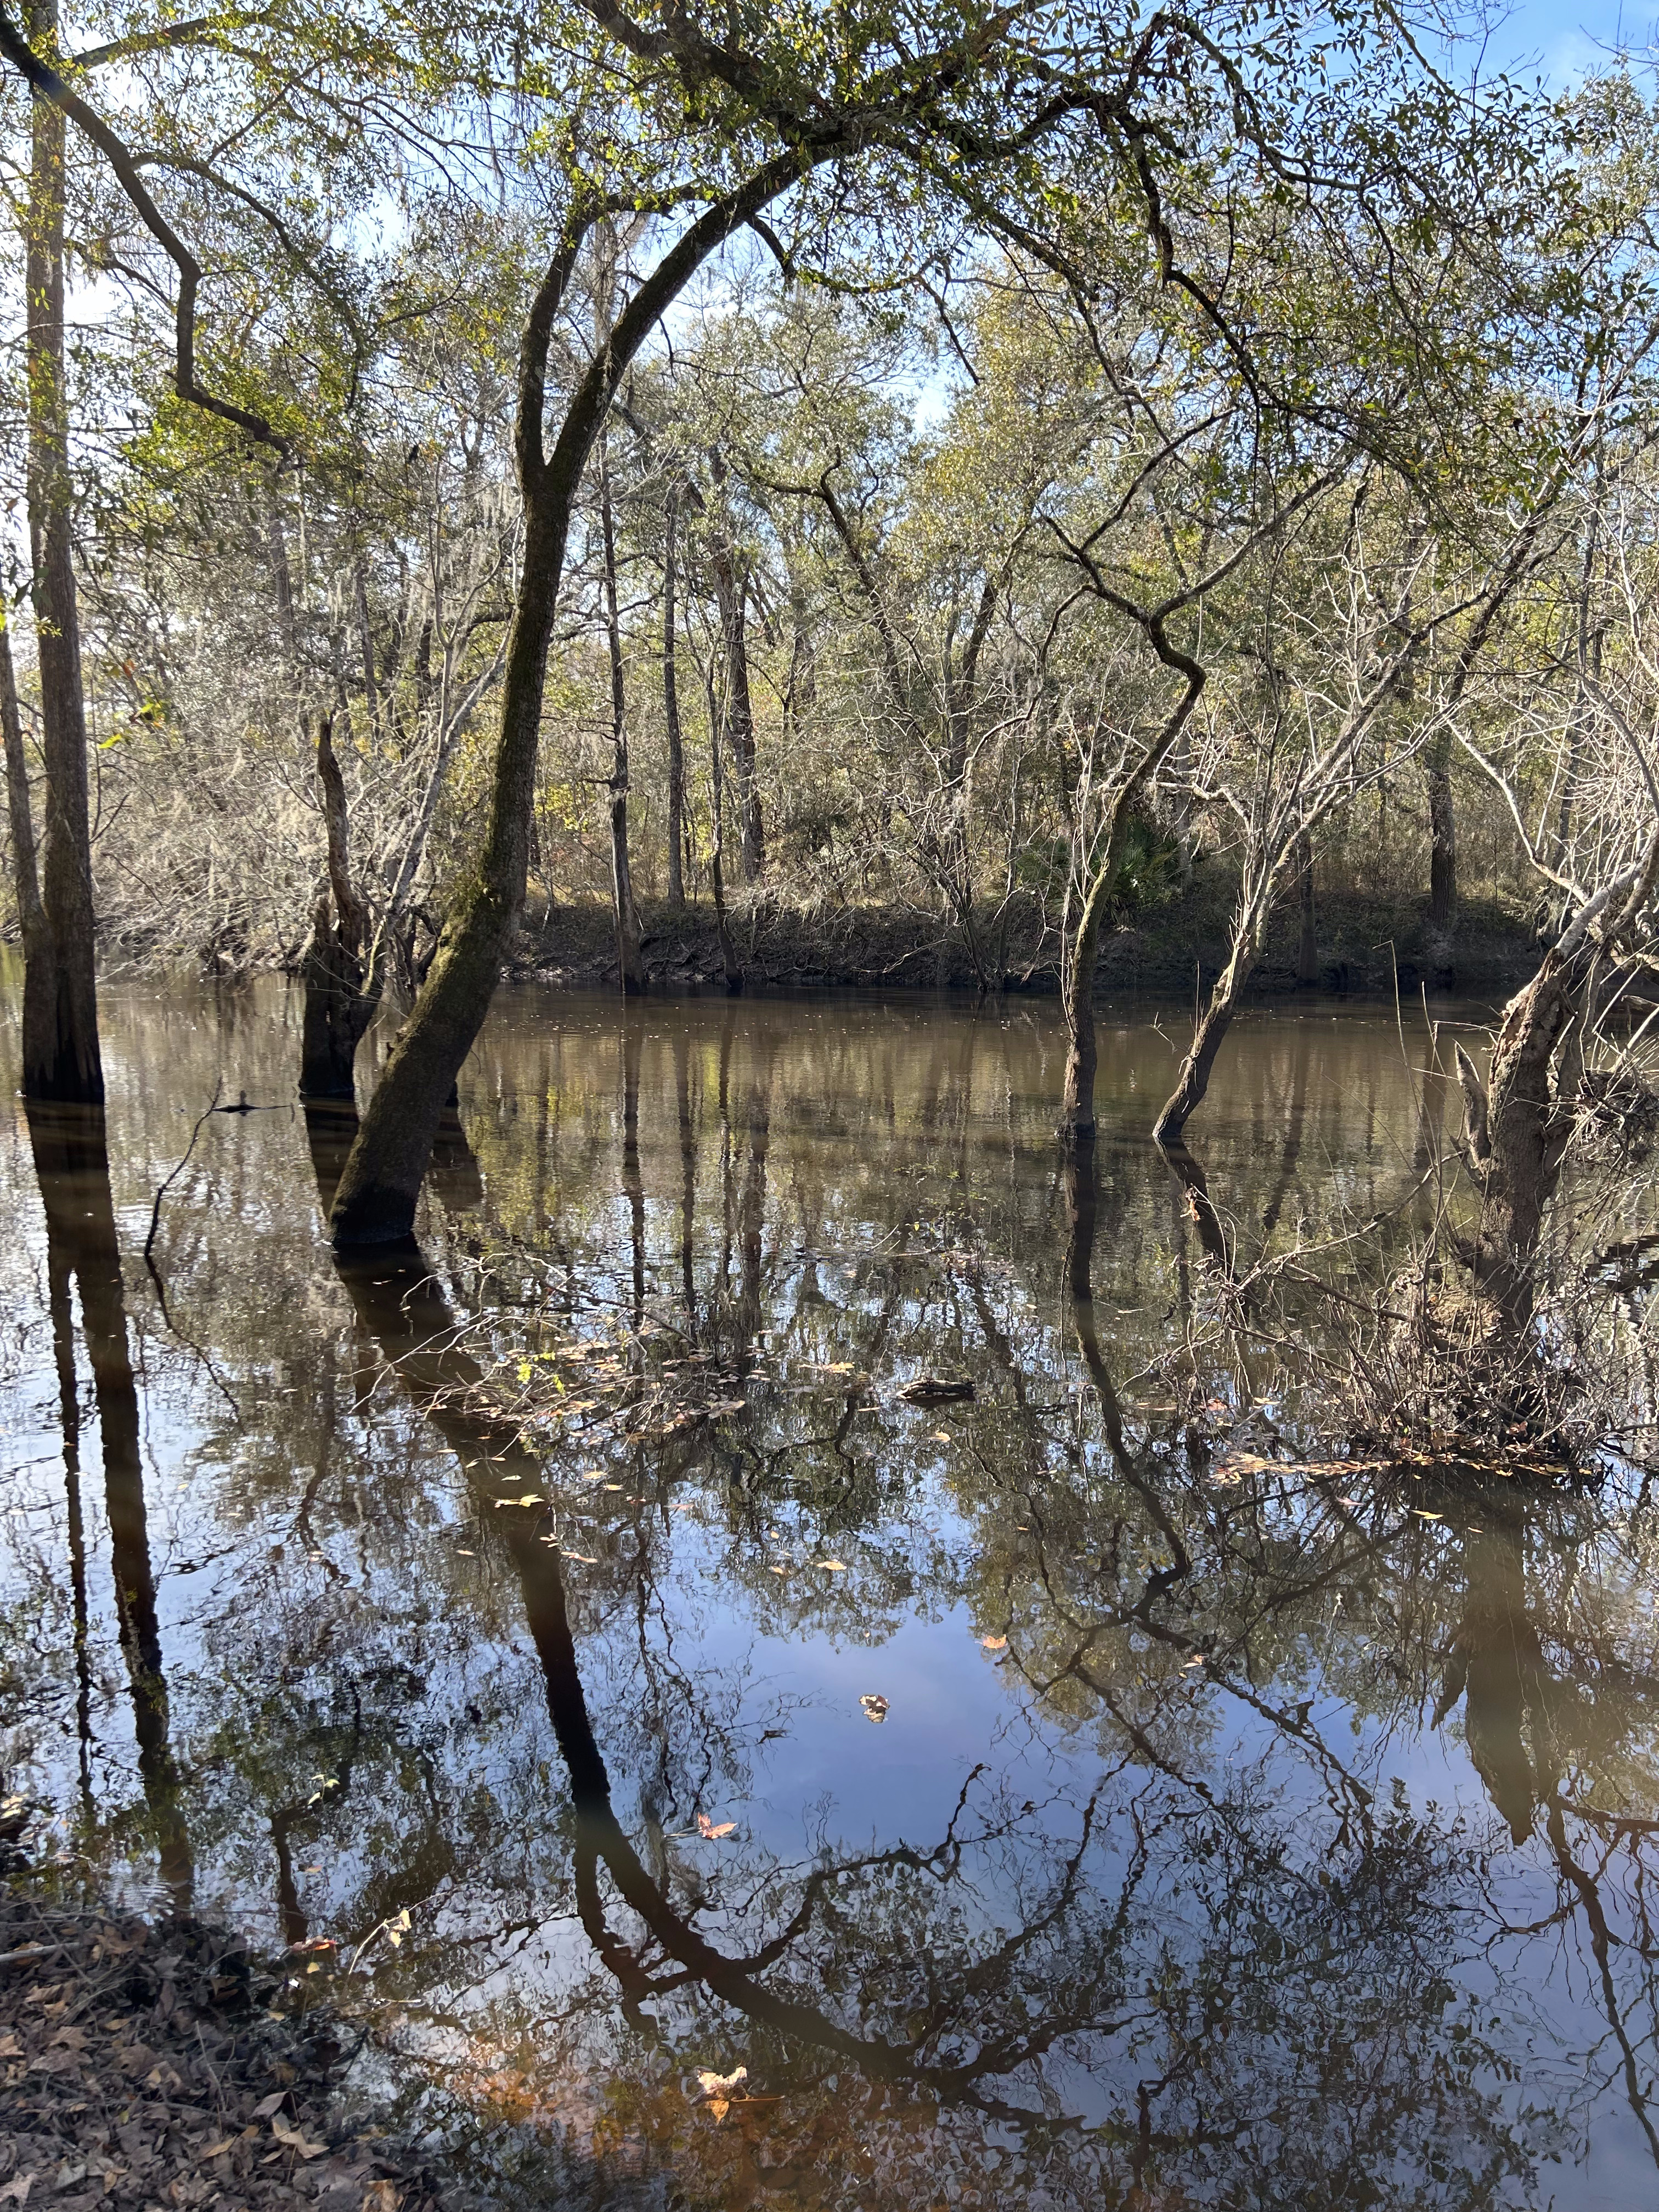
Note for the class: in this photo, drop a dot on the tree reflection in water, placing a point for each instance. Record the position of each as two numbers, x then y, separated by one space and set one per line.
1188 1902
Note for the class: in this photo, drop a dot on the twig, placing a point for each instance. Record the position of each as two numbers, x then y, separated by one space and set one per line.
162 1190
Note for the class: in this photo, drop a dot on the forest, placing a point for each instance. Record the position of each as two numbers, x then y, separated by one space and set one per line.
847 769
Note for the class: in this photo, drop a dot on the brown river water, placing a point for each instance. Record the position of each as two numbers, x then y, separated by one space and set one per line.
724 1780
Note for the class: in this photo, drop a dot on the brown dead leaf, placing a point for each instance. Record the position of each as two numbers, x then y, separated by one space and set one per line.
993 1643
710 1829
381 2196
293 2139
16 2189
273 2103
720 2085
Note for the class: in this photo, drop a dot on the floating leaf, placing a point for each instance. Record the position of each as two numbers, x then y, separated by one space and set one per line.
710 1830
720 2085
993 1643
873 1706
832 1566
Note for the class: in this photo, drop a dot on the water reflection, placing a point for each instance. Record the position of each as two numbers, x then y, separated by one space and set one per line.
1239 1830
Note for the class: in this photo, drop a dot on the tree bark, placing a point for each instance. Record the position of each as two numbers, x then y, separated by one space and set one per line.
61 1056
37 962
731 597
1514 1131
1442 837
366 641
671 706
1307 950
622 873
378 1188
1077 1116
729 961
340 996
1193 1080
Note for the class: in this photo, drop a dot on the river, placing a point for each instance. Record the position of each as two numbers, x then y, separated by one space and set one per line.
608 1648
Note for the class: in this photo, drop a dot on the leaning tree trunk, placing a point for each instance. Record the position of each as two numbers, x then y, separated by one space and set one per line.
61 1056
1077 1117
342 991
1516 1127
1193 1080
380 1183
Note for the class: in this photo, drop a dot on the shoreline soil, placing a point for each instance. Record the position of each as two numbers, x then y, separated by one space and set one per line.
150 2063
1367 947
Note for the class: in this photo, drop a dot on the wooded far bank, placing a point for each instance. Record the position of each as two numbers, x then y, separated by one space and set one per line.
1029 475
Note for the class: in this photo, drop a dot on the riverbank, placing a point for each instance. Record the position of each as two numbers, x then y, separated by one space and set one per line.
158 2064
1366 947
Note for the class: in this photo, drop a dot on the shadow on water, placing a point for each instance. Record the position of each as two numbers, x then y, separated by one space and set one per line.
1231 1828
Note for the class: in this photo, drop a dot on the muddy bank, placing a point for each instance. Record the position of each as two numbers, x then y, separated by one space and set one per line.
1364 944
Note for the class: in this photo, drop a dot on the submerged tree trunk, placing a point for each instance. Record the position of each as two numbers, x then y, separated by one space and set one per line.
671 707
1226 993
1077 1117
61 1056
380 1183
622 873
1516 1127
341 991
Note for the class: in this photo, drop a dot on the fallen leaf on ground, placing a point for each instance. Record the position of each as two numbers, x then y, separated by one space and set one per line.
873 1706
292 2139
708 1828
381 2196
273 2103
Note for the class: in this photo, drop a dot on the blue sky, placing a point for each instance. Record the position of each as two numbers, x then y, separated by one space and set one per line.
1564 36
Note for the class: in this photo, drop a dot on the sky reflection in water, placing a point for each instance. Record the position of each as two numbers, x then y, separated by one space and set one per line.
1222 1843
